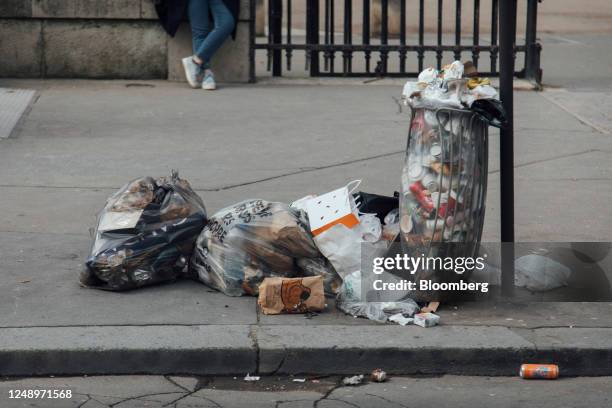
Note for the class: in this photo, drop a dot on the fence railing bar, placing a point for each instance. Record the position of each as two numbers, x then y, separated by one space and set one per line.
366 32
476 32
326 37
289 51
381 69
387 48
402 54
494 12
457 53
439 50
420 53
348 35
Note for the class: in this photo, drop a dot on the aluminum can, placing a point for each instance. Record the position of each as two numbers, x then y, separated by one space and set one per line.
541 371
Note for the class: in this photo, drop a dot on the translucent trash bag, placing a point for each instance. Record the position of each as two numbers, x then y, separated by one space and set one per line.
255 239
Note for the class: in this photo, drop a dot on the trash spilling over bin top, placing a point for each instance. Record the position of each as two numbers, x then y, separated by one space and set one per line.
444 178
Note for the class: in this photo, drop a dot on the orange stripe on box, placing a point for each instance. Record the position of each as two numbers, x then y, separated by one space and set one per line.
349 221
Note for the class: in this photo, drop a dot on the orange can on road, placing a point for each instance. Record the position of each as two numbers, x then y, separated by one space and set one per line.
542 371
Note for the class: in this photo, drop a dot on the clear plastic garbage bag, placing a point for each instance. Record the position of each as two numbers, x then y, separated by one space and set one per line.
145 234
255 239
352 300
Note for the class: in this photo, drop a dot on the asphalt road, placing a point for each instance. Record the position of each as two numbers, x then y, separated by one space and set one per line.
285 392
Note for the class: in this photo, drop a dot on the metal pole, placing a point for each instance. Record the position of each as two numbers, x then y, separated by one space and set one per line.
507 30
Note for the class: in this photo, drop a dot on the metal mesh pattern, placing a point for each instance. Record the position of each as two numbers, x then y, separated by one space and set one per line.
444 183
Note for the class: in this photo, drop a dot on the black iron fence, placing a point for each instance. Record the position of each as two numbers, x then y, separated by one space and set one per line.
372 50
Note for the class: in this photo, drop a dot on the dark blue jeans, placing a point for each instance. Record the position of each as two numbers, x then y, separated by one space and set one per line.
207 41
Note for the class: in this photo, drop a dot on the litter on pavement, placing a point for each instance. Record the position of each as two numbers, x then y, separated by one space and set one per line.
426 319
291 295
378 375
354 380
539 371
251 378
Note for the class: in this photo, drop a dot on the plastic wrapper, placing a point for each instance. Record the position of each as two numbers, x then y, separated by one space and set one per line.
537 272
145 234
351 300
254 239
376 204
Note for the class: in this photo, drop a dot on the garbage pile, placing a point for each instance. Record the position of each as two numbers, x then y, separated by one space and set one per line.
291 256
456 86
243 244
145 234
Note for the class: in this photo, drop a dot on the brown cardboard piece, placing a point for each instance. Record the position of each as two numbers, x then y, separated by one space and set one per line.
291 295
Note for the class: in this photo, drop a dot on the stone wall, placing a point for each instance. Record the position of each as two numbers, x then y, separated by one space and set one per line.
105 39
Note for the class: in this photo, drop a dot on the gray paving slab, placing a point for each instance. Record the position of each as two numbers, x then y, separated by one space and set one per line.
458 391
41 289
14 103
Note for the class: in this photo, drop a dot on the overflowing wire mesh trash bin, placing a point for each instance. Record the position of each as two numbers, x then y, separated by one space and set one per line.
444 183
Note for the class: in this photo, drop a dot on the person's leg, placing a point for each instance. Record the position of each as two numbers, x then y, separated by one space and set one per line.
223 26
198 13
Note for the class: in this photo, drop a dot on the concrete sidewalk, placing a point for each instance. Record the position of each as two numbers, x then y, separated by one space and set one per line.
84 139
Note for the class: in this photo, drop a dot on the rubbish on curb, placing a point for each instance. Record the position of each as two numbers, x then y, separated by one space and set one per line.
291 295
431 307
299 380
335 207
354 380
334 221
351 300
145 234
378 375
250 377
400 319
427 319
254 239
539 371
538 273
371 228
376 204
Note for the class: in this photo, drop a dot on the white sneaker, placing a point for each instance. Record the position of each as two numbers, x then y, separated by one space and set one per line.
208 83
193 72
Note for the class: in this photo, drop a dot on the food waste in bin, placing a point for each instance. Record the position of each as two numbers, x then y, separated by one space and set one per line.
145 234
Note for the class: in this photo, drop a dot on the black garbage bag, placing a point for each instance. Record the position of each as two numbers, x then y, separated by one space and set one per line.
491 110
369 203
254 239
145 234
